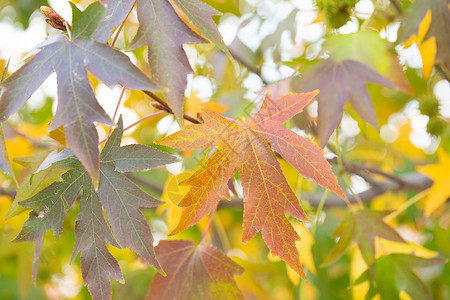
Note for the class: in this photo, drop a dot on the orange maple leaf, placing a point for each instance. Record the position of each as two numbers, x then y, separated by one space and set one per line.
267 195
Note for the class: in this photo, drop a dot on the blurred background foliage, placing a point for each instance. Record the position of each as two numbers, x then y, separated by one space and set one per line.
271 41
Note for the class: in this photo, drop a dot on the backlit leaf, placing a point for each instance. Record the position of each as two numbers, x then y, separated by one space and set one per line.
440 191
339 82
267 195
164 33
194 272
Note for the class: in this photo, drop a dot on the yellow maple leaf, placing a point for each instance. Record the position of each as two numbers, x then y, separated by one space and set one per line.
427 48
440 173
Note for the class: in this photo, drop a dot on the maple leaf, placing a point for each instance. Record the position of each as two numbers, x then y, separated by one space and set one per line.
77 108
267 195
200 13
164 33
369 48
361 227
194 272
439 173
393 274
92 231
338 82
116 12
440 18
120 198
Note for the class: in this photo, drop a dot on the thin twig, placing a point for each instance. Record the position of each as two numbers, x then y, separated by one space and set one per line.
209 224
115 112
136 123
120 28
407 204
166 107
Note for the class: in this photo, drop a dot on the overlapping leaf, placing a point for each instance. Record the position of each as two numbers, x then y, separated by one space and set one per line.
121 200
362 227
393 274
194 272
164 33
267 195
77 108
116 12
200 13
339 82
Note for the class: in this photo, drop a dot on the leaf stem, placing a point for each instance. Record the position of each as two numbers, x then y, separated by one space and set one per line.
115 112
137 122
319 211
164 106
407 204
209 224
341 168
120 28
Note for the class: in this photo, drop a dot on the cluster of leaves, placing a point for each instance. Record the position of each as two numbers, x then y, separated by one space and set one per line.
260 152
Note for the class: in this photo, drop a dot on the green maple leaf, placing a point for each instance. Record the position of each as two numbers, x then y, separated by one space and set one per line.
121 201
78 108
361 227
393 274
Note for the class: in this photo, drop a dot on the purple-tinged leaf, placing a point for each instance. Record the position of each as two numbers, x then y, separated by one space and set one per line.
116 12
200 13
113 67
18 87
194 272
77 107
91 232
121 199
76 98
82 138
132 158
48 210
164 33
339 82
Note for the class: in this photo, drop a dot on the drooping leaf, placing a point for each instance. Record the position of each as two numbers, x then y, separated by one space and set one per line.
440 18
77 107
200 13
194 272
267 195
440 191
92 231
121 201
116 13
338 82
361 227
393 274
164 33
